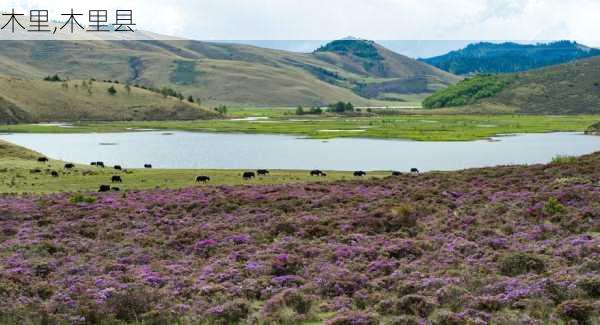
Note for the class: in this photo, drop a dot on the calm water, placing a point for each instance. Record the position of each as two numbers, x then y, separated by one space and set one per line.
244 151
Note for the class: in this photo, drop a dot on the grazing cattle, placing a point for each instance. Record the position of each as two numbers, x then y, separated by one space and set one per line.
104 188
148 166
248 175
396 174
202 179
69 166
117 167
115 189
54 173
414 171
94 163
323 175
100 164
360 173
116 179
42 159
316 172
262 172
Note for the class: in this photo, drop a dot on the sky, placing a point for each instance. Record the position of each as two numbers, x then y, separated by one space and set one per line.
525 20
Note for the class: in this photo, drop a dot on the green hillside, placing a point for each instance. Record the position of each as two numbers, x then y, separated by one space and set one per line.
77 100
570 88
230 74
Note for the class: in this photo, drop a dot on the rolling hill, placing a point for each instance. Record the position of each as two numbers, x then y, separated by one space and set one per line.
23 101
510 57
232 74
570 88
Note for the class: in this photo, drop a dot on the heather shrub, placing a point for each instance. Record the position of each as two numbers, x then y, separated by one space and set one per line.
414 305
337 282
590 266
230 312
452 296
286 264
129 305
289 307
579 310
514 264
353 318
511 317
403 320
444 317
590 285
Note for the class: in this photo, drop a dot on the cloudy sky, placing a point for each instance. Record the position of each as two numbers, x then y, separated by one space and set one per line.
332 19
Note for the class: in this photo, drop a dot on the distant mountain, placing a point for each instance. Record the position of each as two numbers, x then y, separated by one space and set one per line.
393 73
232 74
509 57
569 88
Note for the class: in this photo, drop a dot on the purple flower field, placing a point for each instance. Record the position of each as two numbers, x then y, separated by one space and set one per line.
506 245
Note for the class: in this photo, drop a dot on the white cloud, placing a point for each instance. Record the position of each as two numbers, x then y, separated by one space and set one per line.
331 19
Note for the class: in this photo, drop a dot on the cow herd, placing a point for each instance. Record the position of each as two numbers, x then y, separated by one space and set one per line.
248 175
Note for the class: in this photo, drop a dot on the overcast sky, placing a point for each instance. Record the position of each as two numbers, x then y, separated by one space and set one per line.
333 19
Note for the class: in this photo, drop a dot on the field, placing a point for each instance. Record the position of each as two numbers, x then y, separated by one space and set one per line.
398 124
18 174
506 245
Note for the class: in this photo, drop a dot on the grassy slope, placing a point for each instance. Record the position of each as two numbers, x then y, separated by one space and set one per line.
217 73
41 100
571 88
16 164
416 127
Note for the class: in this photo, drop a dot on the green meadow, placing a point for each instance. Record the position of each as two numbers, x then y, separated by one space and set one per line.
20 172
388 124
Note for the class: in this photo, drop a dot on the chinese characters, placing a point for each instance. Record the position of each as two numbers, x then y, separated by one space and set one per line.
98 21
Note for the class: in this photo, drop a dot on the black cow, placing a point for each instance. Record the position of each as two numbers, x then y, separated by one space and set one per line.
54 173
414 171
116 179
316 172
118 167
42 159
202 179
100 164
115 189
396 174
360 173
262 172
148 166
69 166
248 175
323 175
94 163
104 188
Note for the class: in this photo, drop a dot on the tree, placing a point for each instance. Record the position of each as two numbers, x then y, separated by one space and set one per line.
349 107
112 91
221 109
316 110
128 89
299 110
53 78
190 99
340 107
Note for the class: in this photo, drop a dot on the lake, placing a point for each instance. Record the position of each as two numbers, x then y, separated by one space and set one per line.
251 151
